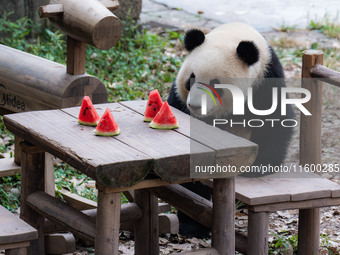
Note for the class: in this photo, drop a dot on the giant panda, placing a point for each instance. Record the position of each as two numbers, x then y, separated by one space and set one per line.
237 54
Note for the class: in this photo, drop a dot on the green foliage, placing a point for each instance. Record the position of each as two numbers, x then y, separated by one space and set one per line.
8 198
286 28
282 242
327 25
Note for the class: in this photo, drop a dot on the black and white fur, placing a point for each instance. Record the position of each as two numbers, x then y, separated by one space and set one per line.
235 54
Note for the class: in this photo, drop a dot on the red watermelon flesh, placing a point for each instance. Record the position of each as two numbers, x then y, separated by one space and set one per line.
165 119
107 125
153 105
88 115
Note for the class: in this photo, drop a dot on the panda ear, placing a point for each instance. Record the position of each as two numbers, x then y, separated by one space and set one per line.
248 52
193 38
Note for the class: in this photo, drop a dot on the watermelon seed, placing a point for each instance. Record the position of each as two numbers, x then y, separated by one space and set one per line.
149 104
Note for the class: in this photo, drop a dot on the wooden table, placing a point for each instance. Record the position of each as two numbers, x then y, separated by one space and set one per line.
139 158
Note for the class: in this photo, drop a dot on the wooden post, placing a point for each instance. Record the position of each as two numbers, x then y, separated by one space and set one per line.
75 56
49 174
146 229
310 150
108 221
32 180
257 242
223 226
17 150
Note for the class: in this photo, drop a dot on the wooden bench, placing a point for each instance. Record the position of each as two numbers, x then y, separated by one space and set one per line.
304 191
15 234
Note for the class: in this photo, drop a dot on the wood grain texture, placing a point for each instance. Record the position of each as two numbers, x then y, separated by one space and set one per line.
107 223
310 126
258 224
16 251
223 223
193 205
32 83
50 10
325 74
75 60
60 213
14 245
13 229
146 230
88 21
309 231
110 4
32 180
284 187
8 167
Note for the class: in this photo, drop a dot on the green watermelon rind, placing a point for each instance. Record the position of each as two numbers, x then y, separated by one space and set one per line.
147 119
117 132
93 124
163 126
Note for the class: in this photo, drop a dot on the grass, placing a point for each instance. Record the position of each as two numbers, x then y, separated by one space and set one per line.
140 62
327 25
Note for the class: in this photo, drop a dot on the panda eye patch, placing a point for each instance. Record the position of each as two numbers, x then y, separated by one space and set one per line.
190 81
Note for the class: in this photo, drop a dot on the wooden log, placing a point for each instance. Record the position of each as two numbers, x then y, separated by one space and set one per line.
310 127
89 22
29 83
51 10
107 226
32 180
146 228
193 205
309 231
223 225
76 201
61 213
257 233
325 74
310 150
75 61
60 243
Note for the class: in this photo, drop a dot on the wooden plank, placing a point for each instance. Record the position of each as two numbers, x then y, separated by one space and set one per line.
8 167
75 60
17 150
61 213
107 224
49 174
257 242
76 201
50 10
314 203
284 187
146 228
32 180
61 135
60 243
223 223
169 149
110 4
309 231
13 229
225 143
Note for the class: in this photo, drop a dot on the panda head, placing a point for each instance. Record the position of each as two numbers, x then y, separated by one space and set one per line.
234 54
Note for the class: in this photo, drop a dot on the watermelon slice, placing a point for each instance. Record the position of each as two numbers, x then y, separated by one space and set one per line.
164 119
153 105
107 125
88 115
